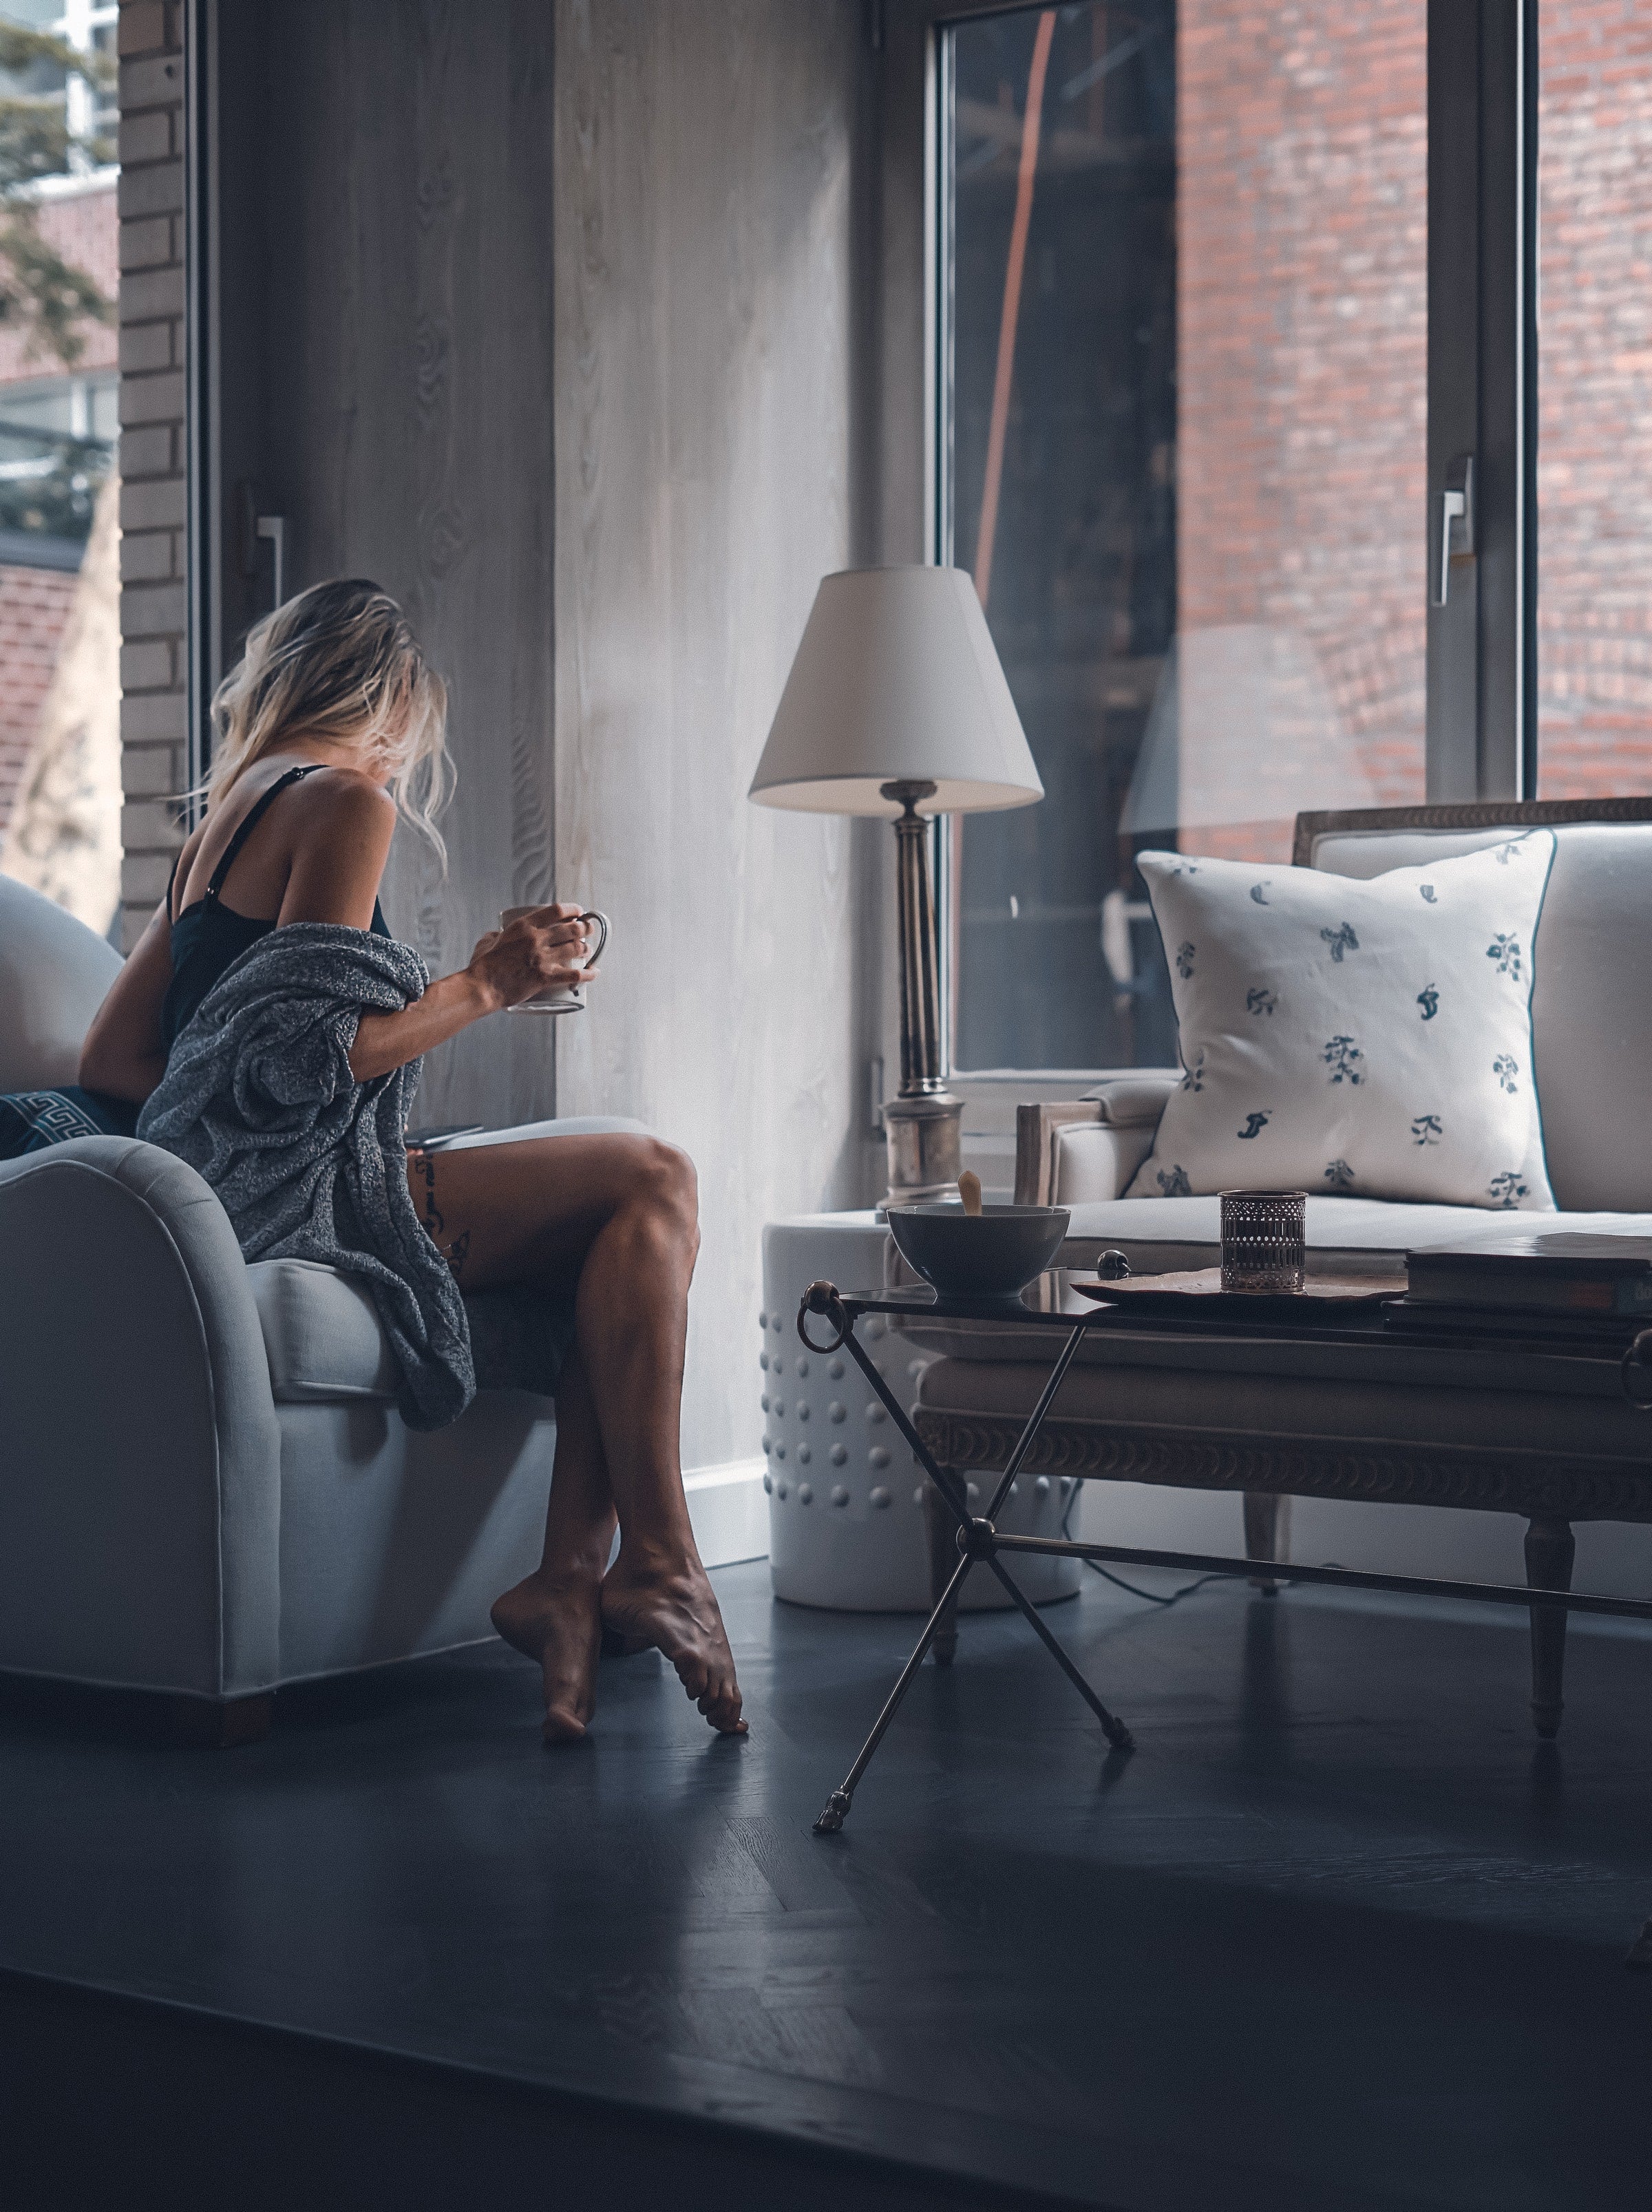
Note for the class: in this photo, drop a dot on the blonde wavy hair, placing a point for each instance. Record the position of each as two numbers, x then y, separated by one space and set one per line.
339 662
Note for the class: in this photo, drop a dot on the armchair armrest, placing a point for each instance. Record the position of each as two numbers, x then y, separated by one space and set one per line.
140 1477
1089 1148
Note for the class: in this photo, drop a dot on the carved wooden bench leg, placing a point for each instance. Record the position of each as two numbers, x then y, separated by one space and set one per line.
1267 1534
1550 1548
220 1724
943 1560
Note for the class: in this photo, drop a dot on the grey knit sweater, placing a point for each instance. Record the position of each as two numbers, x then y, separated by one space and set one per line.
308 1163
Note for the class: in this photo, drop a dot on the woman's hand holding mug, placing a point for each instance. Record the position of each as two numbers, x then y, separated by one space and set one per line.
539 956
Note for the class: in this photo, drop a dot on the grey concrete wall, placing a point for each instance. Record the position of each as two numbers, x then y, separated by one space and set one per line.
710 398
386 280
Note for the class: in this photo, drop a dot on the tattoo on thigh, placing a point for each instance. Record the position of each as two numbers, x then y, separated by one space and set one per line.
426 1168
458 1251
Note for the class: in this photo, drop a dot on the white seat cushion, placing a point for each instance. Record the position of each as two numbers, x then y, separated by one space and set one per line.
321 1334
1363 1235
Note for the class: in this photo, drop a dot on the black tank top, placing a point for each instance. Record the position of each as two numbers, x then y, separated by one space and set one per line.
209 937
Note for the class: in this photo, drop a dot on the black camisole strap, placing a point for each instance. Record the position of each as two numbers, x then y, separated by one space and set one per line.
254 815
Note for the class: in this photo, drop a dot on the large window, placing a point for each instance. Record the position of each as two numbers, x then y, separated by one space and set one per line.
1184 406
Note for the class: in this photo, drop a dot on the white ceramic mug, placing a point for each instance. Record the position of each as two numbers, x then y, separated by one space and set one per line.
570 999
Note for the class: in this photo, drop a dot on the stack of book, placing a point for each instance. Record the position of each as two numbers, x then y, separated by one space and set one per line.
1564 1284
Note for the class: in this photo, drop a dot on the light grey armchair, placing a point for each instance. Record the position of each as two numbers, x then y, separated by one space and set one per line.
205 1488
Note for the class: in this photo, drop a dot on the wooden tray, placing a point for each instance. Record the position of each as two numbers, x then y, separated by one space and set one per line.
1200 1292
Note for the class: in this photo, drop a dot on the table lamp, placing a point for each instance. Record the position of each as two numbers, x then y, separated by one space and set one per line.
896 706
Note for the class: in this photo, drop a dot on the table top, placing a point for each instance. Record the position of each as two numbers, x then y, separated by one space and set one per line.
1050 1301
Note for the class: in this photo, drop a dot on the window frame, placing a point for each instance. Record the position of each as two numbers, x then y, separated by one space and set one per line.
1481 646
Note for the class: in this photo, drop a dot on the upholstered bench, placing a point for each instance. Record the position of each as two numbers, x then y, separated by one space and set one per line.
1546 1437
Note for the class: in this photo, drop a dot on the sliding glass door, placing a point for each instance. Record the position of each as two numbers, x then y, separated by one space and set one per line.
1233 430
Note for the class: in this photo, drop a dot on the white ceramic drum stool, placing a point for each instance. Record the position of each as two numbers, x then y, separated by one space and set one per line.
847 1523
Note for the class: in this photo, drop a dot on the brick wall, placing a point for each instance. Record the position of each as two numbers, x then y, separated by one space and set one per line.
152 448
1301 149
34 608
1594 449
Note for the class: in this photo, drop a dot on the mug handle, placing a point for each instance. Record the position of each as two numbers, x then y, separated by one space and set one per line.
601 920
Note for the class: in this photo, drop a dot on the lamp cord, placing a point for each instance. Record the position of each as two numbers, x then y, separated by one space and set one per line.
1153 1597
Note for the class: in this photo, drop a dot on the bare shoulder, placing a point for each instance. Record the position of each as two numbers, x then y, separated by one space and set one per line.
340 811
346 796
341 830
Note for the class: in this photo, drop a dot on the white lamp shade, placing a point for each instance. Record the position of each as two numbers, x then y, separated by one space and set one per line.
896 680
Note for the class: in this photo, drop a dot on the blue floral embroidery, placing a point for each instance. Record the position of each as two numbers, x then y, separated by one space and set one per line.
1505 951
1506 1067
1507 1188
1176 1183
1429 893
1506 853
1189 869
1254 1124
1342 1056
1340 941
1259 1001
1193 1078
1429 1000
1339 1175
1185 960
1426 1129
1257 891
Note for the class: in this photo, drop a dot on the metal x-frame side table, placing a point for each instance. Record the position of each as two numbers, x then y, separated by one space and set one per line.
978 1542
981 1542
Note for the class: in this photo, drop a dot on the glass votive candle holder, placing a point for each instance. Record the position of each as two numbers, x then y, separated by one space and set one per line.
1264 1239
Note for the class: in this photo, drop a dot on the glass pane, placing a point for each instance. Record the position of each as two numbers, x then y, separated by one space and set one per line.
1594 400
60 786
1185 363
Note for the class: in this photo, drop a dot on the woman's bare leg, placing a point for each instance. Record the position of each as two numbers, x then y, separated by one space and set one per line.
616 1217
555 1614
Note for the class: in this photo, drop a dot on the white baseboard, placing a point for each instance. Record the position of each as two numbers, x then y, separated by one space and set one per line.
729 1512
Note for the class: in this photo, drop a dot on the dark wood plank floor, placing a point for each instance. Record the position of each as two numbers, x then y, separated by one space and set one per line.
1340 1934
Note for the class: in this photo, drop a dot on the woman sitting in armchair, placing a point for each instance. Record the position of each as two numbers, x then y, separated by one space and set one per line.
330 725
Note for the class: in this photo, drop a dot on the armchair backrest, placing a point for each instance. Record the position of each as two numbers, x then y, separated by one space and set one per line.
54 972
1592 976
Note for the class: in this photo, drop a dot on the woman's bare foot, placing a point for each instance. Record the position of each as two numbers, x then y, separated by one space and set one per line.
558 1621
672 1607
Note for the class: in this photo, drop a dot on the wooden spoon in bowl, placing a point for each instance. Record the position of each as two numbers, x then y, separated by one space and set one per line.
969 1191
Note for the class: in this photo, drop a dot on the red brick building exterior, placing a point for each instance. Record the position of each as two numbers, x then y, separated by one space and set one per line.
1301 361
34 608
1594 448
1302 365
83 225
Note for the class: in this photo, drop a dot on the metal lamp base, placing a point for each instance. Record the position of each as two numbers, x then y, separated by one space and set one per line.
925 1149
923 1122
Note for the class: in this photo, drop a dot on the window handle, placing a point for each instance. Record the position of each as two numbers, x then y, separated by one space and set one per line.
274 527
1452 535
